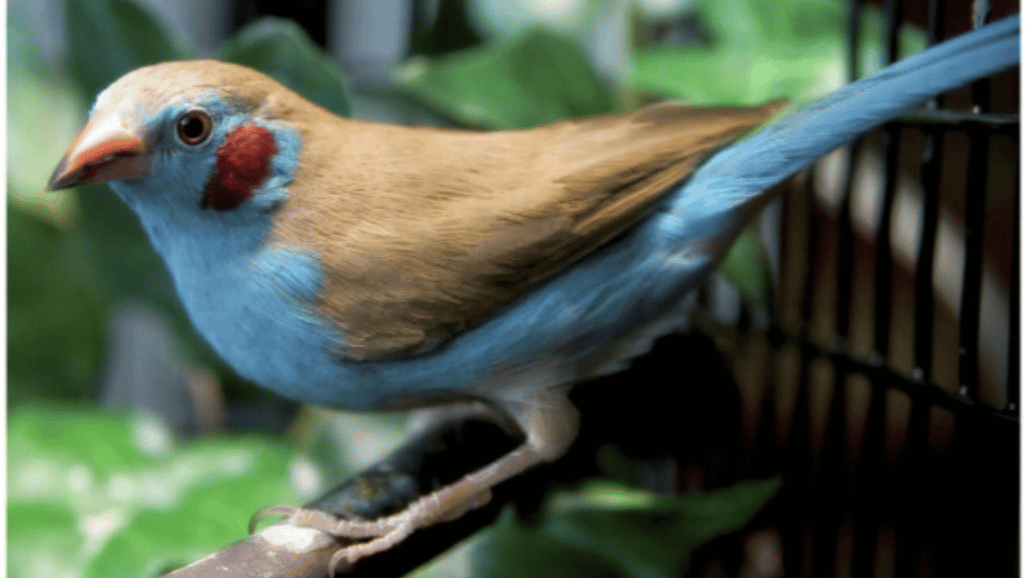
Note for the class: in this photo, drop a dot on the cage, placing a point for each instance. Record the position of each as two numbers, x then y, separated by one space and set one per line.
888 389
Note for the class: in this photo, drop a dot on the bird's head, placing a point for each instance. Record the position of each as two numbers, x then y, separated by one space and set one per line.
197 134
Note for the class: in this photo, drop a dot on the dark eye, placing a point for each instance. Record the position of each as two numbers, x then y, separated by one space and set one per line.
194 127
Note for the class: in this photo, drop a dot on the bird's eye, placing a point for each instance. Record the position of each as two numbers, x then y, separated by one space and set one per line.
194 127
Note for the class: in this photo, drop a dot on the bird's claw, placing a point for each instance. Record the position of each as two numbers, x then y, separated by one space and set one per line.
383 533
378 534
384 539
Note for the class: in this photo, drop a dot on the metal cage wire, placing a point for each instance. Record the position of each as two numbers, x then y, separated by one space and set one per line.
896 436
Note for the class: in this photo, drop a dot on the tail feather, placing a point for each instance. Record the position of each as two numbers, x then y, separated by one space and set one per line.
749 168
628 287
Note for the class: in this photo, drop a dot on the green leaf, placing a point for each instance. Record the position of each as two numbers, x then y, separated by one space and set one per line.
533 78
612 530
107 38
210 508
510 550
283 50
115 493
695 74
871 40
793 48
746 267
757 24
55 311
68 436
40 539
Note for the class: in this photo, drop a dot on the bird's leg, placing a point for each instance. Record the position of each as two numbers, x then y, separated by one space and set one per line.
550 423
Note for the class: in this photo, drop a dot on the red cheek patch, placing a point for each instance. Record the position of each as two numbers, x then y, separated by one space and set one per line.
243 161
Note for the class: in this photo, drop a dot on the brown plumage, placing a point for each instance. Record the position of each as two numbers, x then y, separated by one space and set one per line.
414 256
424 231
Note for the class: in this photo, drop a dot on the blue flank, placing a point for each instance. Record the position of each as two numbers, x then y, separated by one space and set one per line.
255 310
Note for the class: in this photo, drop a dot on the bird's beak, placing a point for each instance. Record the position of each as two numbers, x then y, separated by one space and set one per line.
105 150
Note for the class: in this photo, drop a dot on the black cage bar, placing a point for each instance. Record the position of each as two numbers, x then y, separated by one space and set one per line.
896 428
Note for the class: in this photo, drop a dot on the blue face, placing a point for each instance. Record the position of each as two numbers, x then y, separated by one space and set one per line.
252 301
182 168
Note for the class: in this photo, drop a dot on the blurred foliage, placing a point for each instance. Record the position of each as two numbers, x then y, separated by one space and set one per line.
762 51
83 492
536 77
747 267
42 116
55 314
55 301
281 49
108 38
451 31
98 494
616 531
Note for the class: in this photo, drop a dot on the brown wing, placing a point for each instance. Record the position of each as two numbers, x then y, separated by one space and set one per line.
424 232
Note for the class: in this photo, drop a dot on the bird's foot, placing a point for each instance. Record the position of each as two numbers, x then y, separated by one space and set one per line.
391 530
552 426
383 533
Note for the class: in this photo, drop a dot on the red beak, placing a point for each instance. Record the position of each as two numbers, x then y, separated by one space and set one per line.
105 150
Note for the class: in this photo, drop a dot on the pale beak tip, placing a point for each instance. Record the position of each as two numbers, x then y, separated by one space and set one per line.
104 151
62 178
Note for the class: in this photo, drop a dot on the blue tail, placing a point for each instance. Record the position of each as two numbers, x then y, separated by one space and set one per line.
751 167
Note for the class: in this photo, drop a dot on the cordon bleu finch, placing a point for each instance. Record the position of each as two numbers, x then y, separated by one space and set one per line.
367 266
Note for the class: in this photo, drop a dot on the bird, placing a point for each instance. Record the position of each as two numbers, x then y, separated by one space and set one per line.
372 267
